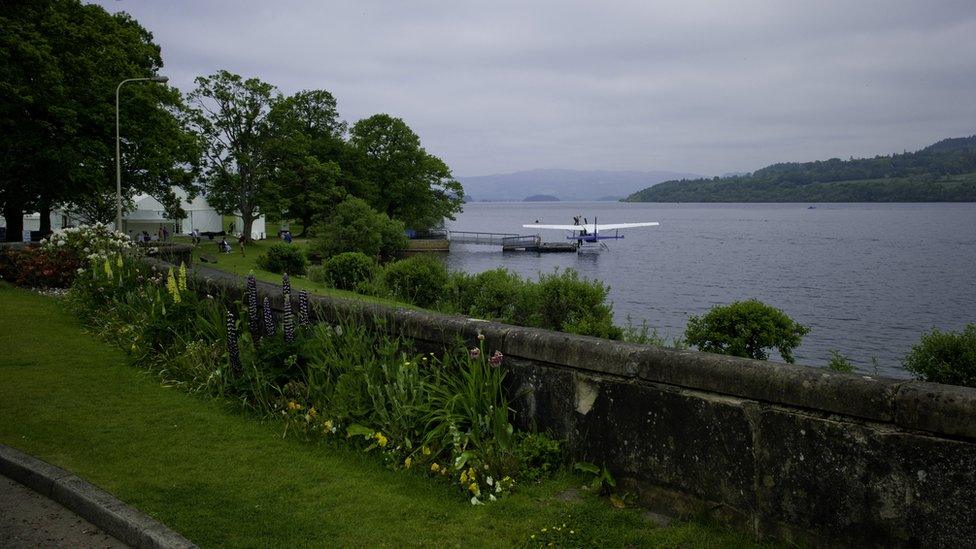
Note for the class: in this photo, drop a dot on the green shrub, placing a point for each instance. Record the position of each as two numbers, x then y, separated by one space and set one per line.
356 227
284 258
348 269
575 305
420 279
538 455
746 329
839 363
945 357
498 295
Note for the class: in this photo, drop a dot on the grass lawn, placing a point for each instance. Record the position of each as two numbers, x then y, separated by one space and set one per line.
221 478
246 263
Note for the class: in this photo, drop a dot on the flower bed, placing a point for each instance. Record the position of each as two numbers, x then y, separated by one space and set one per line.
443 415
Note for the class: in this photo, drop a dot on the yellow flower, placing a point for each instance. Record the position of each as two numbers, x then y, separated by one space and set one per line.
425 450
108 269
435 467
328 426
464 477
380 439
473 488
118 260
182 281
292 405
407 463
171 286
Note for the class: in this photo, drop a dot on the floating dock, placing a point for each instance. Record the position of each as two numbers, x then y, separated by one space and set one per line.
511 242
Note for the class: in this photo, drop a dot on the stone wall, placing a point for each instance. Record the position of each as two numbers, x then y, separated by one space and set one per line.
801 454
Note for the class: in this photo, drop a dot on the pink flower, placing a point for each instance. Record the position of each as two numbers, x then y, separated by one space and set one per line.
474 353
496 359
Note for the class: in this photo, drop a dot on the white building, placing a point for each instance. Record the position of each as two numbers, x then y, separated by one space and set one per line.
149 216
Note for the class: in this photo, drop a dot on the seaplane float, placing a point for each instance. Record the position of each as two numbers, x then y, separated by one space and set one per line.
588 235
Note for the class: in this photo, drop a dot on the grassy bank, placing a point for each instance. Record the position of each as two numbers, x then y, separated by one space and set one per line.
223 479
246 263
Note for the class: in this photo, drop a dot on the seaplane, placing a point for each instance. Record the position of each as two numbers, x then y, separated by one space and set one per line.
587 233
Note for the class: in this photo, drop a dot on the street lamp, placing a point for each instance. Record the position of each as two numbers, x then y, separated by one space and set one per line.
118 149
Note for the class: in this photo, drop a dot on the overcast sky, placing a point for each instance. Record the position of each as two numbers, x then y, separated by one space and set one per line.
703 87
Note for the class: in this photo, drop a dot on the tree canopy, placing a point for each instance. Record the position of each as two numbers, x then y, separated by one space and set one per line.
60 63
248 148
943 172
231 114
407 183
306 140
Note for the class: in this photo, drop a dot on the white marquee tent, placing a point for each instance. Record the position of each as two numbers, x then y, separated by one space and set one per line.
149 215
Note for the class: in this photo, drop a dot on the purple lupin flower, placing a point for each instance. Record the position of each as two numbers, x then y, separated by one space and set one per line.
303 309
269 325
285 284
253 320
233 352
287 321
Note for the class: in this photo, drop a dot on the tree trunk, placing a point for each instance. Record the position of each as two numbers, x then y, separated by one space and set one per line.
14 216
248 222
306 221
45 227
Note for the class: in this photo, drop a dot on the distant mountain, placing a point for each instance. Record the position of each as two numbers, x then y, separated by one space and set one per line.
540 198
563 184
942 172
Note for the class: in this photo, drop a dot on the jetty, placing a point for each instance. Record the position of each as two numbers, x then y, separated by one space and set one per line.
511 242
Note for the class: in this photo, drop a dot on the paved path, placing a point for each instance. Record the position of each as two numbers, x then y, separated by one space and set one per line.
28 519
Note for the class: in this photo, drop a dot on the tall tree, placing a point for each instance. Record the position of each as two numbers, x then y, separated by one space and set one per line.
232 116
408 183
60 63
306 140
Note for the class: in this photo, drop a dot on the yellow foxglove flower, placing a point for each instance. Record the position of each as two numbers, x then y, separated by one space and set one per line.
108 269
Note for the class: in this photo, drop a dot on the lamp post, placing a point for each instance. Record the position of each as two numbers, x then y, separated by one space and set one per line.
118 148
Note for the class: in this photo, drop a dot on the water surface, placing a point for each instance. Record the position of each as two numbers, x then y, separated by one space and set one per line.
867 279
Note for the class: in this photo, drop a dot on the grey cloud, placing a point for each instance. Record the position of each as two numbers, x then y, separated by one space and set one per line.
706 87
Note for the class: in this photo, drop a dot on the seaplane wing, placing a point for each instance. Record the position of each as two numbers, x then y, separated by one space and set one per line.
591 227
